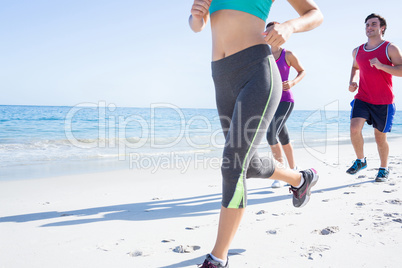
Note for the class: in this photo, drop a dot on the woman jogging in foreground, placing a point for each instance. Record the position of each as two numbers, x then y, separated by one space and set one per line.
248 90
285 59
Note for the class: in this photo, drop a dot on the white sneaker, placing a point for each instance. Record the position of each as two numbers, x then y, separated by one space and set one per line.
277 184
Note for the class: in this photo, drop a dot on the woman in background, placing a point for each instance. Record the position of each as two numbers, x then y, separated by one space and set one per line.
285 59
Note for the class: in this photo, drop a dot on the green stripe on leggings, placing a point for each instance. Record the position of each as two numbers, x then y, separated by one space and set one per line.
238 195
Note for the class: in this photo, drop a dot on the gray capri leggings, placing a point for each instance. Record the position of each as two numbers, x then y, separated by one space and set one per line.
277 128
248 90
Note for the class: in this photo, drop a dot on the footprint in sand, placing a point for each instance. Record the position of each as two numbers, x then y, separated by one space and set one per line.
358 222
328 230
167 240
192 228
394 201
314 251
135 253
272 232
390 191
261 212
186 249
356 235
391 215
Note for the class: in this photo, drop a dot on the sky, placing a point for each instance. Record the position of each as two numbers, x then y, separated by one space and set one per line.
134 53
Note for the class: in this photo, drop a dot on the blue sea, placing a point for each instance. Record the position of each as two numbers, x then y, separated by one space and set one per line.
44 141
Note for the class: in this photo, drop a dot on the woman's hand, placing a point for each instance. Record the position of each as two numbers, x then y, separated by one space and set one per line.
199 14
277 34
286 85
200 9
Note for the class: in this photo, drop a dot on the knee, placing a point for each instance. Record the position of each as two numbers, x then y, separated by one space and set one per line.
272 140
284 140
271 137
225 170
381 139
230 169
355 130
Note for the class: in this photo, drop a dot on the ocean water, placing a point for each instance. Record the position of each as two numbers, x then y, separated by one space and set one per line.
42 141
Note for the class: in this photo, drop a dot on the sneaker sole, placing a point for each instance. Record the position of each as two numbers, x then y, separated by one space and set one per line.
313 182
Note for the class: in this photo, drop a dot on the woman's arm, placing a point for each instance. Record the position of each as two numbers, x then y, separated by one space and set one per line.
310 18
294 62
199 15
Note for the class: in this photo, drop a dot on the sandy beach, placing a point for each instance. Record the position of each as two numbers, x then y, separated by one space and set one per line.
168 218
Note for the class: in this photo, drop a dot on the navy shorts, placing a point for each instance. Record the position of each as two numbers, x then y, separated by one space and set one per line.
380 116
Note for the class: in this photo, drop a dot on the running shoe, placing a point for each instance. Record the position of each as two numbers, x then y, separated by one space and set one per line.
357 166
211 263
382 175
301 195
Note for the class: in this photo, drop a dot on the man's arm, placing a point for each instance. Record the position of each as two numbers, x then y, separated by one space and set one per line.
354 74
396 58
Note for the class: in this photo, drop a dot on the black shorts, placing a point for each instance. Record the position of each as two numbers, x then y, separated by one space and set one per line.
380 116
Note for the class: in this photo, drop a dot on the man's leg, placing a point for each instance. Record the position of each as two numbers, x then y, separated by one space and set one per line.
356 126
382 146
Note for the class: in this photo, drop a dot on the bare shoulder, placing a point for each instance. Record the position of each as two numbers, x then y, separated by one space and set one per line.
355 51
395 54
393 48
288 52
289 55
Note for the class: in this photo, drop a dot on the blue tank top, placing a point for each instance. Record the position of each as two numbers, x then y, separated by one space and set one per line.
258 8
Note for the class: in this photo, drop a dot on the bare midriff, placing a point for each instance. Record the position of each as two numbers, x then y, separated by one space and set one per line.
234 31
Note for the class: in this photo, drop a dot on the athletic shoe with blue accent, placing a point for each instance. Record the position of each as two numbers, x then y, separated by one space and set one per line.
301 195
211 263
357 166
382 175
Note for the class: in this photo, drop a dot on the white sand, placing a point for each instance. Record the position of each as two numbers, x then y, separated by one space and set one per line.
119 219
